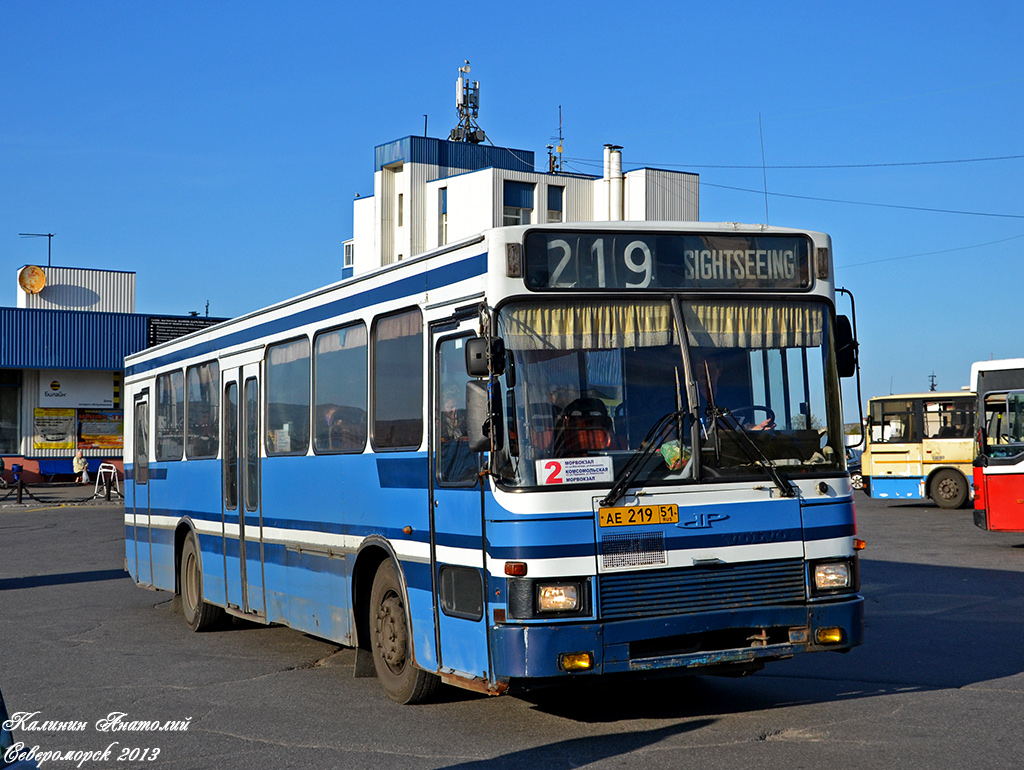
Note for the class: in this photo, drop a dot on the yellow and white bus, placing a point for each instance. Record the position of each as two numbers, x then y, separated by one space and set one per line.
920 446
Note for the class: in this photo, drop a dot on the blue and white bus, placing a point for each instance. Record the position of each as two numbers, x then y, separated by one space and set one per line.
545 452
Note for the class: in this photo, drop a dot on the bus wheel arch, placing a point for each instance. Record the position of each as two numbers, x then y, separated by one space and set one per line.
367 563
385 630
199 614
947 488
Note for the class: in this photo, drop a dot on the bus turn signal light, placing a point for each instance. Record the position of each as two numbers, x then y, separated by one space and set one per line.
829 635
859 545
515 568
576 661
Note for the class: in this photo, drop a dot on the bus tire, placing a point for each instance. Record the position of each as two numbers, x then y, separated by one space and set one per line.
391 643
948 489
199 614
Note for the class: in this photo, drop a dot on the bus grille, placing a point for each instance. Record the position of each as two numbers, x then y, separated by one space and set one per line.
632 549
699 589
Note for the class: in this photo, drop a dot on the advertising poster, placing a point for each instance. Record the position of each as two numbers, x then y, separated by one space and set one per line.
81 390
54 429
100 429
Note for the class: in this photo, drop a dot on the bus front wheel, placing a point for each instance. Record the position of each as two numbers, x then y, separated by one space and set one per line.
949 489
199 615
392 646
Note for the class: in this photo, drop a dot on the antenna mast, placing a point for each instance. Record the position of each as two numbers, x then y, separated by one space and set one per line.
467 103
555 163
49 242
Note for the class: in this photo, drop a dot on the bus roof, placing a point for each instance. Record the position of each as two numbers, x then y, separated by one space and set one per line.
932 394
1002 364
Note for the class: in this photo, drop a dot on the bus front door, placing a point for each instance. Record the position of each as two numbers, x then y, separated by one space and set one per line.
140 491
457 556
242 511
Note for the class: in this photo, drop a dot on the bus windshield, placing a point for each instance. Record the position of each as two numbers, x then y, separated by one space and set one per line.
589 379
1004 424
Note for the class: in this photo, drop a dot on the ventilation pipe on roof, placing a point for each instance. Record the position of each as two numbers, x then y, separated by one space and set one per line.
615 180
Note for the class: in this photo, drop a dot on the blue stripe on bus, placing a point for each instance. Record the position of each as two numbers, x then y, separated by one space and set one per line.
528 551
402 472
405 287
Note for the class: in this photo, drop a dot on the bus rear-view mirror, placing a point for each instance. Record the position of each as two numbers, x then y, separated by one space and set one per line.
485 357
846 347
483 417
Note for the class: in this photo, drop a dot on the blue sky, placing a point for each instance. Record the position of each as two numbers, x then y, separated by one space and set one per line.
215 148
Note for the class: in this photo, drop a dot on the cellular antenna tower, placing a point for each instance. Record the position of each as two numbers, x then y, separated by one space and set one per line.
467 102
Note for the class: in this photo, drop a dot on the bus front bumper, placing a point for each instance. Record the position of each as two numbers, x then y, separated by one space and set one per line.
712 643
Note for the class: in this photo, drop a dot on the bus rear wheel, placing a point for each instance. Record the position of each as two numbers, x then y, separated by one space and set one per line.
949 489
392 646
199 615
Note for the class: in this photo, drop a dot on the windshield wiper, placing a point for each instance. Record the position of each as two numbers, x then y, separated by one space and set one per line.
651 442
749 447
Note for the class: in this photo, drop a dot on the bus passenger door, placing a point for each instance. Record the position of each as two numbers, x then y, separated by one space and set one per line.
457 530
242 512
140 491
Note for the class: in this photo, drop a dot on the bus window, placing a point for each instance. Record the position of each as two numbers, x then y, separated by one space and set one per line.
339 388
948 419
170 416
595 378
398 381
894 422
455 463
203 411
288 398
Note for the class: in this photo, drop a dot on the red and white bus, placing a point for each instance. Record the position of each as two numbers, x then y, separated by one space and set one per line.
999 460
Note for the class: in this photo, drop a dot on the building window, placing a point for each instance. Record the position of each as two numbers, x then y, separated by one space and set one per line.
398 381
517 203
555 198
401 209
339 390
288 398
442 216
350 254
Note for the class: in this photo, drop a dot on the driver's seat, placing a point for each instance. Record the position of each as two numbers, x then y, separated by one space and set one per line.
583 426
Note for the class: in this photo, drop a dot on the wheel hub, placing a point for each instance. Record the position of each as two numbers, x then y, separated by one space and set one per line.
390 634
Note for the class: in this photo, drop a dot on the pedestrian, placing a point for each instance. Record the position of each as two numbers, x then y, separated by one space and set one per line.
81 468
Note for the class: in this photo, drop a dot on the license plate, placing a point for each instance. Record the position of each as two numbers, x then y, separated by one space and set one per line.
638 515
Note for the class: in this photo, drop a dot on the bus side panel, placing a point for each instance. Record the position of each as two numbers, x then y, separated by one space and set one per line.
895 471
891 487
458 524
395 495
305 557
1004 501
175 488
310 548
946 451
130 534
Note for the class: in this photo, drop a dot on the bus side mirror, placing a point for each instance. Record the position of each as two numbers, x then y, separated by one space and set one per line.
846 347
481 423
480 350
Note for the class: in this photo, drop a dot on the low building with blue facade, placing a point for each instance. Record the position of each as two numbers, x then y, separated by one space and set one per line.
62 355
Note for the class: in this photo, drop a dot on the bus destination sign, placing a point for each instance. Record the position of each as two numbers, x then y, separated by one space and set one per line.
681 261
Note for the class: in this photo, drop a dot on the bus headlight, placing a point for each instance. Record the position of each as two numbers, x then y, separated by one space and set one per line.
832 576
558 597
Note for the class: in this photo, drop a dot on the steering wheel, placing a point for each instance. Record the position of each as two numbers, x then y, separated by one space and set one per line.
745 416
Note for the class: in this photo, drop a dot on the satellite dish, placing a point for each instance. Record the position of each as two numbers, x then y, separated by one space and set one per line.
32 279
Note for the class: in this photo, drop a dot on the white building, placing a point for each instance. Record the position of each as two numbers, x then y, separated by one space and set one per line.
431 192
